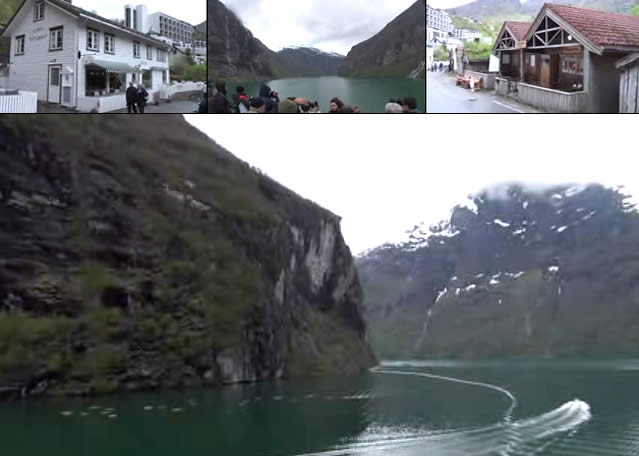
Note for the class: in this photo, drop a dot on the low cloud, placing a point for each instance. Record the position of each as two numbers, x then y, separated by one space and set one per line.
330 25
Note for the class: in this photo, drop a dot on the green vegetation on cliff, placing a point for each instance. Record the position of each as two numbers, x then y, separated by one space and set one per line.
142 255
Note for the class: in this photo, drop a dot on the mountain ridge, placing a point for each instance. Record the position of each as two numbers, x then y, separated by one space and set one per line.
397 50
522 274
481 9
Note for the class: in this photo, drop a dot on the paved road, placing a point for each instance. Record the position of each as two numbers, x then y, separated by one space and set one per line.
175 107
443 96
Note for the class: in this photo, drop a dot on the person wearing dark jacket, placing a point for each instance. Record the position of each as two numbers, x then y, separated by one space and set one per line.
270 97
131 98
220 103
336 106
410 105
140 97
240 101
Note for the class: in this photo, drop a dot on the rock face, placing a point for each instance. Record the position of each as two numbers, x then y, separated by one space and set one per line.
516 272
233 51
397 50
135 256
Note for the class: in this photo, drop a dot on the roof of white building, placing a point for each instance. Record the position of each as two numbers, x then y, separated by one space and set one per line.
80 12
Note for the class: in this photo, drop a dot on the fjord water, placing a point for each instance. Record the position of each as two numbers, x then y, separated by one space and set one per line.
513 408
371 95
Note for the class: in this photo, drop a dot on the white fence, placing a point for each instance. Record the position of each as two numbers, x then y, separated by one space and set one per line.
20 102
168 91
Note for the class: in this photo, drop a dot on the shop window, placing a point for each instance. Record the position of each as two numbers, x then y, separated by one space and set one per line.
117 82
147 79
572 64
95 81
100 82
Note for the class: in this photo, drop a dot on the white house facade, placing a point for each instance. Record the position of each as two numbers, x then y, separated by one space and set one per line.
75 58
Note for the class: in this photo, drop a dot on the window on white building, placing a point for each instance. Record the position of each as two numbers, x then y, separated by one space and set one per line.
38 11
55 39
147 79
149 53
20 45
136 50
109 44
93 40
161 55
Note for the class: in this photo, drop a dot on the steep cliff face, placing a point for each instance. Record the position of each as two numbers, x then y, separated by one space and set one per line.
135 256
233 51
397 50
516 272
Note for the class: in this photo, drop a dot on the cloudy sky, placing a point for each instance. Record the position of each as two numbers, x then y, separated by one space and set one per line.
191 11
384 174
443 4
329 25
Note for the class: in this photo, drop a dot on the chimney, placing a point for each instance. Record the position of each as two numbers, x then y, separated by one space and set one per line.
143 18
128 16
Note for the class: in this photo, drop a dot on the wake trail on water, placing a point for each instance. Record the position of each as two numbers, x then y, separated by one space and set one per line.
504 438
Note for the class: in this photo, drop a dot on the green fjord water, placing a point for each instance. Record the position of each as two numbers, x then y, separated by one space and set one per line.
413 408
370 94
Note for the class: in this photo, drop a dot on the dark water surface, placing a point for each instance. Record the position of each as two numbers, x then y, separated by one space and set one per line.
520 408
371 95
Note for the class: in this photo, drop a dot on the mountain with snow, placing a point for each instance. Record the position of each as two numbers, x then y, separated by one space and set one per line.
516 271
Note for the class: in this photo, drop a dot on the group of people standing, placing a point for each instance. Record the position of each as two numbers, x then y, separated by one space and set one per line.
136 98
268 102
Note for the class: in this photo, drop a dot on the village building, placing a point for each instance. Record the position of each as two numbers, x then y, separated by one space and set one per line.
629 84
78 59
170 27
565 60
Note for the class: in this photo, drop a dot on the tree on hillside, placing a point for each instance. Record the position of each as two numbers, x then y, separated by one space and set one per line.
478 51
441 53
8 9
635 9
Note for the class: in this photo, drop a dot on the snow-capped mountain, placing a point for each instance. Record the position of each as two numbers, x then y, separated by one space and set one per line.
516 271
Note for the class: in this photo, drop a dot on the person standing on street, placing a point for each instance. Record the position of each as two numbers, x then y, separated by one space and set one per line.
131 98
141 96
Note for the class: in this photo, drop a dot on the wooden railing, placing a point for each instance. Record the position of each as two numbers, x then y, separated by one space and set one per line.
550 99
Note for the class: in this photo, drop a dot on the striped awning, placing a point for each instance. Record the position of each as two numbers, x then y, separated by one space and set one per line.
113 66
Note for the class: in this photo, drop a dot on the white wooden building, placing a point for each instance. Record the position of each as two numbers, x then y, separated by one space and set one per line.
75 58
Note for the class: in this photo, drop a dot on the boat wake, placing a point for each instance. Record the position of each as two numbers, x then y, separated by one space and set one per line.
505 438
